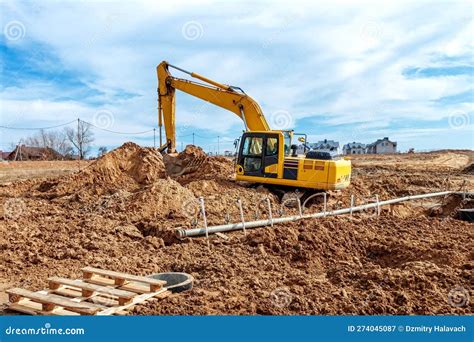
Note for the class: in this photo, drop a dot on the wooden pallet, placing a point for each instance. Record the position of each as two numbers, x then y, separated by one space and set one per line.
99 292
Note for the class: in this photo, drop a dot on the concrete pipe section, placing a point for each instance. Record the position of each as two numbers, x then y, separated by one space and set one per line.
466 214
175 281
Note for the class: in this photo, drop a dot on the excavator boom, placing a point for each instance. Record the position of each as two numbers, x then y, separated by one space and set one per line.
265 156
224 96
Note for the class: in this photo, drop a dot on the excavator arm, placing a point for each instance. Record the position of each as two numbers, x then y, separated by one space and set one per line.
224 96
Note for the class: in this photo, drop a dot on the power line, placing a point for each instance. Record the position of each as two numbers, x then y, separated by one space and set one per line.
70 122
116 132
37 128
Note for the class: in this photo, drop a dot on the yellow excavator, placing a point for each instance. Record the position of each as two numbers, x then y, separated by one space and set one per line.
264 156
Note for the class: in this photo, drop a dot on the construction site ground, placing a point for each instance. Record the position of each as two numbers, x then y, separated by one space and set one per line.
121 211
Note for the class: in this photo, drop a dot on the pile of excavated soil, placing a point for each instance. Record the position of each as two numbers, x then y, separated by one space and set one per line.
121 211
126 168
469 169
194 164
141 187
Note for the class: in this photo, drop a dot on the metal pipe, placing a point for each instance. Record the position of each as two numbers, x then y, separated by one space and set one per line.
181 233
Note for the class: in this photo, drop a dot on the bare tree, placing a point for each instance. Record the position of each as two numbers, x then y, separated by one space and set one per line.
81 137
55 140
102 151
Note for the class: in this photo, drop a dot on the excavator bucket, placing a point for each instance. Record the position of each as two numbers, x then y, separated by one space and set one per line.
185 162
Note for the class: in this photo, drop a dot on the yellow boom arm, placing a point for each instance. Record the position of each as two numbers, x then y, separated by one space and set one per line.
224 96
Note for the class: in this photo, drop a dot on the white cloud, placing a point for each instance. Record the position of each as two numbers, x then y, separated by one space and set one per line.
343 60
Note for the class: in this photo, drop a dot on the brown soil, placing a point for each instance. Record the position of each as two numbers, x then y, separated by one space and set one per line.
193 164
120 213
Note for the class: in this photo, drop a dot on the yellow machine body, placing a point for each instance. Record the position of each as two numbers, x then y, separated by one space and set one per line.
258 162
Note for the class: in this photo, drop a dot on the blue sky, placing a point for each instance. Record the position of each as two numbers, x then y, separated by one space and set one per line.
336 70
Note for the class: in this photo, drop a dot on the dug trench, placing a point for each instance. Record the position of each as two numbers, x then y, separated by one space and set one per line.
121 211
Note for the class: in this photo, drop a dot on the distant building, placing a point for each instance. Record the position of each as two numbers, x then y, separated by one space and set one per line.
382 146
326 146
4 155
23 152
354 148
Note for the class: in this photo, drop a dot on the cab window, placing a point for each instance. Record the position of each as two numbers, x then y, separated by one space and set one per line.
272 147
287 143
252 146
252 153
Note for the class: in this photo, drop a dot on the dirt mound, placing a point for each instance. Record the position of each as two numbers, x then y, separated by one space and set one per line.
128 162
125 168
161 202
194 164
469 169
132 184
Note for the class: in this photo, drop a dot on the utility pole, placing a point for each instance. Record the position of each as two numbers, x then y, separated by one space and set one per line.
154 137
218 137
193 138
79 139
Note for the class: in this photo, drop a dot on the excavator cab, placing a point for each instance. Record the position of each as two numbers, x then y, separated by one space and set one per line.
258 154
268 158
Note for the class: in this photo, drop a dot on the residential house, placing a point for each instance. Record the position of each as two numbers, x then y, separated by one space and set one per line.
382 146
325 145
23 152
4 155
354 148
